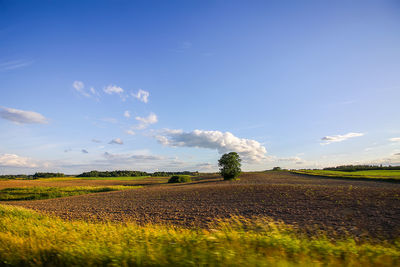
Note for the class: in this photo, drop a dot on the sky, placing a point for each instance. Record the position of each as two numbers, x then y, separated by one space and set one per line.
173 85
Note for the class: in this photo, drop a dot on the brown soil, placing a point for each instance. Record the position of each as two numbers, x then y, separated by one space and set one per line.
368 208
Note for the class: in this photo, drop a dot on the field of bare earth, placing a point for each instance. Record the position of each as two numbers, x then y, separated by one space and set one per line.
359 208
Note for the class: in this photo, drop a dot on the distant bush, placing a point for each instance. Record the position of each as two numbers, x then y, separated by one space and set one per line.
276 168
180 179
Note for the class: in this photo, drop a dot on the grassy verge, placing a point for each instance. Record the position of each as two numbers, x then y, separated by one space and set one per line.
390 175
30 239
41 192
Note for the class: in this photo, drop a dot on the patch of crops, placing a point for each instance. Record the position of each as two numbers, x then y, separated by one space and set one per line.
41 192
30 239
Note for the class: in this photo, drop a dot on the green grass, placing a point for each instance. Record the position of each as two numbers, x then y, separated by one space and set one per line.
371 174
41 192
31 239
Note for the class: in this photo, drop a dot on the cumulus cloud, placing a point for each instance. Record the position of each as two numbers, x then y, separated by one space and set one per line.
116 141
113 89
249 150
339 138
84 151
12 160
127 114
395 139
141 95
21 116
146 121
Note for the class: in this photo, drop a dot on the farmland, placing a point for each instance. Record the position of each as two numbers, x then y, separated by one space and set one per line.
264 218
41 192
387 175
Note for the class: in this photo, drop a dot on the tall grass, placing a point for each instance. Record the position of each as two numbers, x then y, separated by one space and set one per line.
31 239
46 192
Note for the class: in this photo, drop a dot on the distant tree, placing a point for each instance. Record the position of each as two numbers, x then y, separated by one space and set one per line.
229 165
276 169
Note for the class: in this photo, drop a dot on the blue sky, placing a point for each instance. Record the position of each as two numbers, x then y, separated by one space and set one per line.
172 85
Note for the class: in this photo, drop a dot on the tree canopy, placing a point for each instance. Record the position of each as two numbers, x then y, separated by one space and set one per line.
230 165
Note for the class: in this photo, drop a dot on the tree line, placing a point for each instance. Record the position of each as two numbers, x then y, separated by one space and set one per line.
37 175
353 168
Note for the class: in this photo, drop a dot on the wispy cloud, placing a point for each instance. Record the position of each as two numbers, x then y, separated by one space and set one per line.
96 140
79 86
249 150
130 132
21 116
116 141
127 114
394 139
146 121
339 138
141 95
84 151
110 120
14 64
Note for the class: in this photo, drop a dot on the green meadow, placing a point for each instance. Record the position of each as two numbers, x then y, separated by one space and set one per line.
28 238
44 192
393 175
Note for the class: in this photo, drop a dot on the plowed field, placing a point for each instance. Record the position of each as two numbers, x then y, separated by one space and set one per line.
360 208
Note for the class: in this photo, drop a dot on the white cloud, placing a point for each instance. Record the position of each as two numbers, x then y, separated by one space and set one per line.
79 86
12 160
14 64
395 139
113 89
96 141
249 150
146 121
142 95
116 141
21 116
130 132
339 138
127 114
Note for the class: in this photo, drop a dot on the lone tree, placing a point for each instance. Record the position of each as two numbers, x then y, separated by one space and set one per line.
229 165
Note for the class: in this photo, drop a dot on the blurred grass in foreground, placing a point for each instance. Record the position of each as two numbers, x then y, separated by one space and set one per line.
28 238
392 175
46 192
